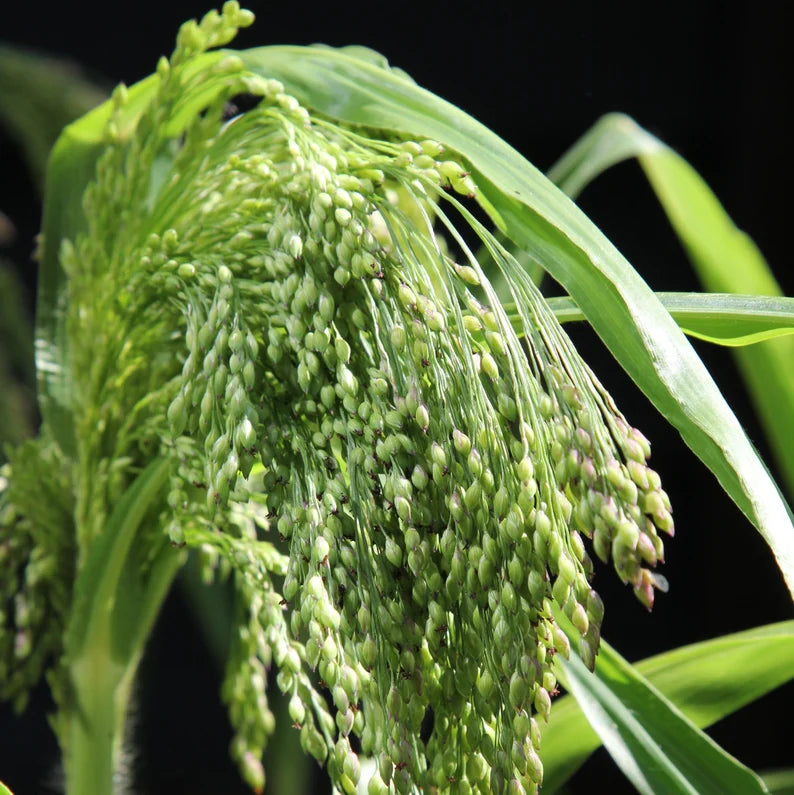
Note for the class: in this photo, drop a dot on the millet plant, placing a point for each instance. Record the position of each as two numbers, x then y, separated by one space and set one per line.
288 322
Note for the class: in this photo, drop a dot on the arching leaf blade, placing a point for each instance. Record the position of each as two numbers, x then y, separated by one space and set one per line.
720 318
779 782
616 301
724 258
706 681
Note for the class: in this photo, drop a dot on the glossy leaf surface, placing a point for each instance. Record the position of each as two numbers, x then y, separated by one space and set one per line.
725 259
721 318
705 681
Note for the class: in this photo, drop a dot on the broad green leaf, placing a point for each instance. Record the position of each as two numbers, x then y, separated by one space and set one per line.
653 743
706 681
725 258
4 790
110 596
721 318
618 304
779 782
121 584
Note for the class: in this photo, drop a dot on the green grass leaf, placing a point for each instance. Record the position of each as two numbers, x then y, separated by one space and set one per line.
111 597
618 304
779 782
705 681
721 318
653 743
724 258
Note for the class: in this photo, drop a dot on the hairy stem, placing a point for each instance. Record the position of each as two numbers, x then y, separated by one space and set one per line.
117 602
96 724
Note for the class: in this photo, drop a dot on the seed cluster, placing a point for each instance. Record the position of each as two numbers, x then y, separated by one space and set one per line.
428 481
346 384
35 514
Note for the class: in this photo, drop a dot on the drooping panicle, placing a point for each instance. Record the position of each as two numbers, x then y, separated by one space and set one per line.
403 479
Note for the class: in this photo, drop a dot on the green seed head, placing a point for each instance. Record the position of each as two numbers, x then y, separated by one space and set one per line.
427 469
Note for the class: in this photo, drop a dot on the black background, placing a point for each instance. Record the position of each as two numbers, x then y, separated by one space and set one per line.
713 83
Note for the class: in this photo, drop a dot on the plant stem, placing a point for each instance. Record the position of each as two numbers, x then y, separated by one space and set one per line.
96 723
117 599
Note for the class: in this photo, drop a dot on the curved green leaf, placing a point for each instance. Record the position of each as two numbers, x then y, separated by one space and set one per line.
121 585
721 318
618 304
109 583
706 681
724 257
653 743
779 782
